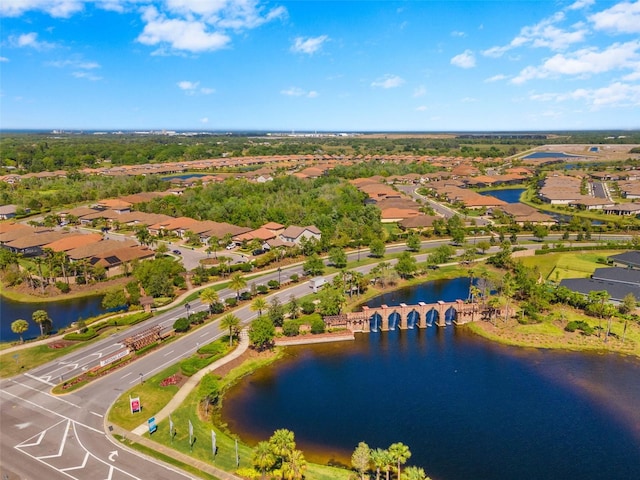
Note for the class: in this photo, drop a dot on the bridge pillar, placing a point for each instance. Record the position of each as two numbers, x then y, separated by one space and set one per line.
422 311
384 324
442 310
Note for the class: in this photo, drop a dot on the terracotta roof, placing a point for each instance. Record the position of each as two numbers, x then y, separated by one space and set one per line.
73 241
98 248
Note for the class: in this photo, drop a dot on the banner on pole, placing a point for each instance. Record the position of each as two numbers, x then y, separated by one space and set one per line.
190 432
237 456
170 426
213 442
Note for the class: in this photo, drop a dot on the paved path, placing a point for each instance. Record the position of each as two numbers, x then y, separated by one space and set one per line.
193 381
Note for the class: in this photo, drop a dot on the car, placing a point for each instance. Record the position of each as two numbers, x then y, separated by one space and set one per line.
257 252
177 252
231 246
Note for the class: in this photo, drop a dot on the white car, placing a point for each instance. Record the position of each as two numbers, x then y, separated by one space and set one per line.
231 246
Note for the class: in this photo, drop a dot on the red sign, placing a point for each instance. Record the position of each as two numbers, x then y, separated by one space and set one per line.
135 404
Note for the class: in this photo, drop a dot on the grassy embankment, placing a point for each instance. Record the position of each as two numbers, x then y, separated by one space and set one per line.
154 397
550 332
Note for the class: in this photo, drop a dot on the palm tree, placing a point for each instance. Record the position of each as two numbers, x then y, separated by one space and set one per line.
224 264
214 245
282 443
19 327
508 286
237 282
263 458
258 305
378 460
209 296
400 453
38 262
41 317
231 322
293 467
414 473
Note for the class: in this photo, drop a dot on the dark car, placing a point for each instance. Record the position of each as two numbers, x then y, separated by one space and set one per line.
177 252
257 252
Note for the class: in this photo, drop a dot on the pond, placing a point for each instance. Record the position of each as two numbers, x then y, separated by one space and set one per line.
511 195
466 407
63 313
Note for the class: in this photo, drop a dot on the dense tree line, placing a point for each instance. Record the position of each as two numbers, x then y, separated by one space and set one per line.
332 205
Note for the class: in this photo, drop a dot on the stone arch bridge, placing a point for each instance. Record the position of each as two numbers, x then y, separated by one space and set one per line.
403 316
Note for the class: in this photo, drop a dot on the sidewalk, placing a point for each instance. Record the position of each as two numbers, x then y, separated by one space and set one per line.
169 452
193 381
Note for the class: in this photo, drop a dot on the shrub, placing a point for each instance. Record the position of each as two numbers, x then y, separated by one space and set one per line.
317 325
581 325
307 307
245 296
262 289
291 328
273 284
231 302
82 337
216 307
295 278
63 287
182 324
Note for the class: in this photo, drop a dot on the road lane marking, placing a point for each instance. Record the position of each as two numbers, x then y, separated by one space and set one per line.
206 334
62 444
97 414
47 394
79 467
168 353
46 382
125 375
40 407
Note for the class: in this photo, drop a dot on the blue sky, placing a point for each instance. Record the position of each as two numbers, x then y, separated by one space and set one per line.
320 65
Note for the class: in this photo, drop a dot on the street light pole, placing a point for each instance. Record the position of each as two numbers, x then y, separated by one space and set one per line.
279 270
187 306
141 378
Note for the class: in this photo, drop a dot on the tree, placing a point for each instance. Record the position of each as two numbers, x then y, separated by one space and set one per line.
114 299
214 245
361 459
293 306
338 258
406 266
377 248
293 466
282 443
19 327
143 236
313 266
276 312
263 457
629 303
507 289
379 458
400 453
331 301
414 473
483 246
237 282
231 322
161 250
413 242
209 296
262 332
258 305
41 317
540 231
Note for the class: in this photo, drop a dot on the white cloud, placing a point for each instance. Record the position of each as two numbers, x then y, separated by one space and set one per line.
189 35
74 63
465 60
543 34
86 75
585 62
621 18
388 81
469 100
617 94
580 4
55 8
420 91
495 78
29 40
421 108
299 92
456 33
308 45
204 120
4 59
192 88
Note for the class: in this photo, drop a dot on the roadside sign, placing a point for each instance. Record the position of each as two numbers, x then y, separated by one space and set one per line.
134 403
152 425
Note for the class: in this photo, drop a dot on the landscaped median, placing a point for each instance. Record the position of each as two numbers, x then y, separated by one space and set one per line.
192 404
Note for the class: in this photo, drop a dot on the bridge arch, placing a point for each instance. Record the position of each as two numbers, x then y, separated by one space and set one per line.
432 316
450 315
394 320
413 319
375 322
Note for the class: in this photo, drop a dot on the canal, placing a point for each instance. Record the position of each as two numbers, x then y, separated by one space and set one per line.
466 407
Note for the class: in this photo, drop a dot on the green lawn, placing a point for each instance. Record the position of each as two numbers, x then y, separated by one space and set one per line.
557 266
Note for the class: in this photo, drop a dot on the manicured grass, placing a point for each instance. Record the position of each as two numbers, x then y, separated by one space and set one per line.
567 264
32 357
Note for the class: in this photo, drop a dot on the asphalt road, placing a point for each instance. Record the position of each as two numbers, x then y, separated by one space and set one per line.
45 436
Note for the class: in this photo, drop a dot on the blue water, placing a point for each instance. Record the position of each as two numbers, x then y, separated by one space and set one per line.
63 313
510 196
466 407
185 176
550 155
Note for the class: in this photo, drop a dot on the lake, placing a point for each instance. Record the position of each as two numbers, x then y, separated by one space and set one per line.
511 195
63 313
466 407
